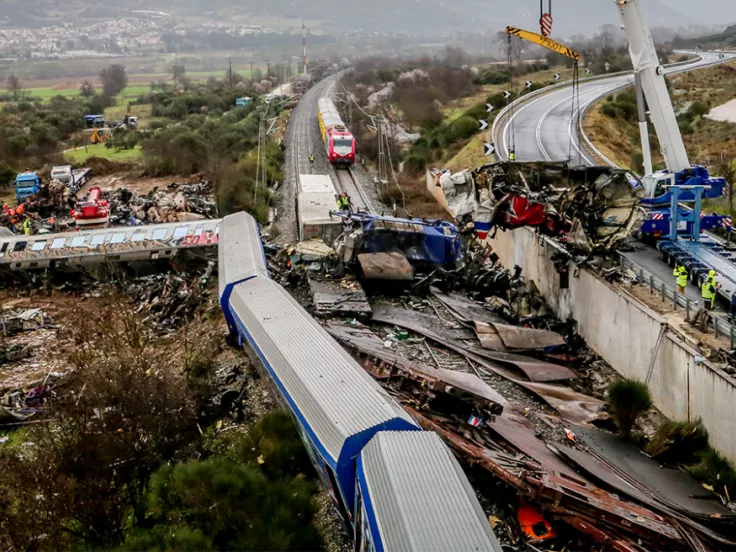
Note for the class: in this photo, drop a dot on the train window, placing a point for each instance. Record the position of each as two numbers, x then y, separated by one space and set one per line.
118 238
78 241
98 239
4 247
20 246
343 142
198 231
180 232
38 245
58 243
160 234
138 237
217 229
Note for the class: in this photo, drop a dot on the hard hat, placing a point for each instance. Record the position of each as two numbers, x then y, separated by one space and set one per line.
711 274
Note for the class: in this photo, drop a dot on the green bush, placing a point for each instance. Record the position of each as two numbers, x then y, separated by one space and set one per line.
715 470
699 109
610 110
678 442
686 127
627 400
415 164
464 127
221 504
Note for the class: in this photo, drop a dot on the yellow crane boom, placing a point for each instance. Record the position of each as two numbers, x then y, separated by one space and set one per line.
544 42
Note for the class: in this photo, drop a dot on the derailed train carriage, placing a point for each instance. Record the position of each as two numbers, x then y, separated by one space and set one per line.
395 486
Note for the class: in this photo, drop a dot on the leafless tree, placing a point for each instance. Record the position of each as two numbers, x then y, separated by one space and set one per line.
15 87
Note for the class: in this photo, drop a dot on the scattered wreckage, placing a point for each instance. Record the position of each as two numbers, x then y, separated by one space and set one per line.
589 209
55 209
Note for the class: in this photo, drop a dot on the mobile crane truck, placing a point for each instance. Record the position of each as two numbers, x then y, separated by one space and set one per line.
682 241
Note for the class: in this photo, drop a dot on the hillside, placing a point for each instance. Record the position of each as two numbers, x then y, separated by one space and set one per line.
725 39
415 16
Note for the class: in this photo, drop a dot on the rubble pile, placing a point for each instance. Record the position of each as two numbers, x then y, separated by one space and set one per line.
179 202
168 301
591 210
474 354
50 210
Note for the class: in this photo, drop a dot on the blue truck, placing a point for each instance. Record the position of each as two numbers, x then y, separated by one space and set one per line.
26 184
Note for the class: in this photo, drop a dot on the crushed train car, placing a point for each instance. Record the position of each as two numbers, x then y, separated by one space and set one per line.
591 209
423 243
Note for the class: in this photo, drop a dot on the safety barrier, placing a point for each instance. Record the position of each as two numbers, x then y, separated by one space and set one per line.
721 327
547 89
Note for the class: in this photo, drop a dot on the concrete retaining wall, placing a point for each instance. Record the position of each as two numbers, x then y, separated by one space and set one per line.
624 331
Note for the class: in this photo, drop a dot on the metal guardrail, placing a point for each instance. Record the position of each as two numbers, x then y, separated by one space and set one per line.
547 89
721 327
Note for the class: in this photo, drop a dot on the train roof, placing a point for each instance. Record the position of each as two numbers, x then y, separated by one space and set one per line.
326 103
336 401
309 183
420 497
240 253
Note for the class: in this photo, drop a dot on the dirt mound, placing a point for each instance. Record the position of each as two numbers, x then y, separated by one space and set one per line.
101 167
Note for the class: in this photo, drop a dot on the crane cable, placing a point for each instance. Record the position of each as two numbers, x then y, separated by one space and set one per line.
510 102
575 113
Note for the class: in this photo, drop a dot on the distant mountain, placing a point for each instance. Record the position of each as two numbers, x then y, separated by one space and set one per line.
571 17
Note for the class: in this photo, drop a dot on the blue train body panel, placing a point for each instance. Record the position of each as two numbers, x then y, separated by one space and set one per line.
341 413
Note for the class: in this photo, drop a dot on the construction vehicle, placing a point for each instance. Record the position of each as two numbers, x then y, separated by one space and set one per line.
95 121
26 184
681 182
95 211
73 178
649 75
99 135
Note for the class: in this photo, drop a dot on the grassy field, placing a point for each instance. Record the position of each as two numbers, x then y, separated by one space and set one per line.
80 155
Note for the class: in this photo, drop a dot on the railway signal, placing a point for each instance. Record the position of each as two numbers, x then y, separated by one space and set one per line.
489 108
489 148
483 124
506 94
528 84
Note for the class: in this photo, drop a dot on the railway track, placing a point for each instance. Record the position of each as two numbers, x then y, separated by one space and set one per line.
348 183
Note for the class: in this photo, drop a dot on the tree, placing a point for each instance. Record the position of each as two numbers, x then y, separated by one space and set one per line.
87 88
627 400
178 70
114 79
15 86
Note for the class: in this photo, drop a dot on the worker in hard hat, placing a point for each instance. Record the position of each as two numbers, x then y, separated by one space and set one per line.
311 159
680 274
343 202
27 225
708 291
512 155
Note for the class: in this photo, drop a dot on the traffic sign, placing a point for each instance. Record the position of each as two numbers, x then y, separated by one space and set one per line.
483 124
607 66
587 70
528 84
506 94
489 148
545 22
489 108
557 76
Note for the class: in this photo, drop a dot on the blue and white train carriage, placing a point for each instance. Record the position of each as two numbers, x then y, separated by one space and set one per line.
395 486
